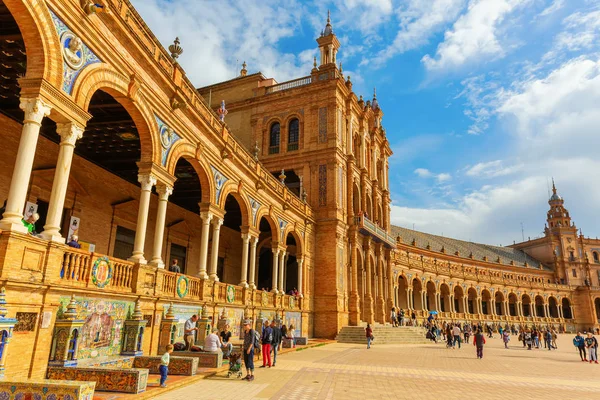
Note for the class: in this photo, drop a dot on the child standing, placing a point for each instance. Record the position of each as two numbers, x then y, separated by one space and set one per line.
592 345
478 342
164 365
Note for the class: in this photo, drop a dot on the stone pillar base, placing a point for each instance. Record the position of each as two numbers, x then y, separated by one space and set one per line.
53 237
11 226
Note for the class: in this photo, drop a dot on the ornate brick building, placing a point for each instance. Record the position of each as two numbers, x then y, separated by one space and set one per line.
282 187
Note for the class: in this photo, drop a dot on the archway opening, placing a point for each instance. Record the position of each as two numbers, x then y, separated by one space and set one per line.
553 307
486 297
499 302
597 305
402 298
566 309
264 270
458 299
290 270
430 297
445 298
512 304
417 295
230 242
472 300
539 307
526 302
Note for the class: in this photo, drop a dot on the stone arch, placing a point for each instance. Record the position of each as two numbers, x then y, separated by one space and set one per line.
232 189
290 230
499 302
486 304
472 299
356 198
183 149
263 212
430 296
103 77
402 286
512 304
417 287
566 308
42 44
526 304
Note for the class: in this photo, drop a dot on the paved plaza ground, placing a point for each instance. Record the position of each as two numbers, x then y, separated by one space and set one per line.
343 371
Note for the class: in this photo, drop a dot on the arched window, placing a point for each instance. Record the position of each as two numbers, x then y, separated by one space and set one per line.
596 258
274 136
293 134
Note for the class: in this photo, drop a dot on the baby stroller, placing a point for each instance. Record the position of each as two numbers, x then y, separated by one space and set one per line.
235 365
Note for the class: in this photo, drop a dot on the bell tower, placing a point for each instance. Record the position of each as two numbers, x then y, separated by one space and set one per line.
328 44
558 216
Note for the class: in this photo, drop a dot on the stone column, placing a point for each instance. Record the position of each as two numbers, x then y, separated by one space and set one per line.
253 243
282 267
35 110
300 275
206 218
164 191
146 181
354 304
493 306
276 252
69 134
214 253
519 308
244 277
560 313
368 308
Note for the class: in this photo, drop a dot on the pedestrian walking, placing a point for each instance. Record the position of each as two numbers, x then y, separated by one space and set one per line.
276 341
163 369
591 343
548 339
266 340
506 338
401 317
456 335
393 318
478 342
250 343
369 334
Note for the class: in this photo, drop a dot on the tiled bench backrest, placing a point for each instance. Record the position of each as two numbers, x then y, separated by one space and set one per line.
107 379
187 366
205 360
45 388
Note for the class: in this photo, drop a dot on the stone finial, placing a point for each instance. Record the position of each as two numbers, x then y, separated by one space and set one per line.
223 313
170 312
428 247
471 255
349 83
256 151
204 314
457 253
137 311
498 260
244 71
304 195
414 242
443 250
71 312
92 7
341 69
282 177
175 49
361 102
3 310
246 313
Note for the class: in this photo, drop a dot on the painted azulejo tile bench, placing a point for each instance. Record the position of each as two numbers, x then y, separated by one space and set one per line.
46 389
187 366
123 380
205 359
109 361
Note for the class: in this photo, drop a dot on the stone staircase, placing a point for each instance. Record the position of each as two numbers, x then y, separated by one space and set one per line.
384 334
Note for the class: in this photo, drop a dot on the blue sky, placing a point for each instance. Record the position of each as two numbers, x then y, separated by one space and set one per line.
484 100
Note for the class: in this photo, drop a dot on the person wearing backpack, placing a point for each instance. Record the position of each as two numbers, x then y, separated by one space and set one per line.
579 342
250 343
266 339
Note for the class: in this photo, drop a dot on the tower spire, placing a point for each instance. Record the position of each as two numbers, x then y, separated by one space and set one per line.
553 186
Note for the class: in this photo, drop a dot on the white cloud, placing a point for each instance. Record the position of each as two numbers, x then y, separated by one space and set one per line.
419 20
492 169
474 35
423 173
582 31
443 177
552 8
218 33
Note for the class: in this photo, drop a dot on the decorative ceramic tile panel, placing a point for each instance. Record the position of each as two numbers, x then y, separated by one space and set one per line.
323 125
25 322
322 185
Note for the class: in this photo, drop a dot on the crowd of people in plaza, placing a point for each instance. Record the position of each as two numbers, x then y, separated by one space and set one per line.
456 333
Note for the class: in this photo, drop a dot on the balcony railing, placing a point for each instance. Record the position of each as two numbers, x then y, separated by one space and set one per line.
274 150
379 235
292 146
289 84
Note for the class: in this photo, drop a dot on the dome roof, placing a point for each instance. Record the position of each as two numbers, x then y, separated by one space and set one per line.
555 196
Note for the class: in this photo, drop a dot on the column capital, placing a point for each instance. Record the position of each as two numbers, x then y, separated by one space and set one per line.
35 110
164 191
206 216
217 222
276 250
253 240
246 237
69 133
146 181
